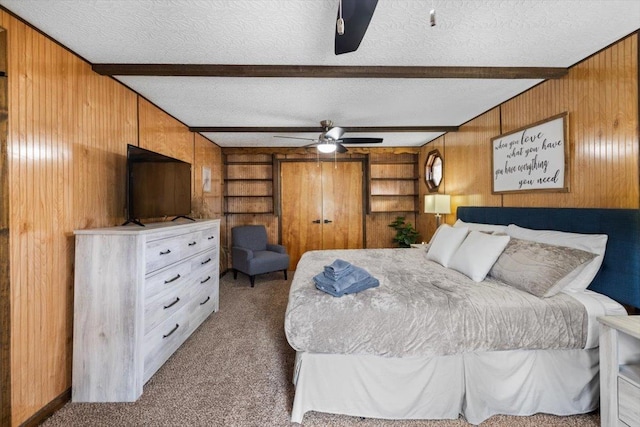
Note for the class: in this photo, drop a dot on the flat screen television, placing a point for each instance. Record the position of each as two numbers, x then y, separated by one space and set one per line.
158 186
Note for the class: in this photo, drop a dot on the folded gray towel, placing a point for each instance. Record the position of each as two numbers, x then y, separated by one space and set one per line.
338 269
369 282
356 275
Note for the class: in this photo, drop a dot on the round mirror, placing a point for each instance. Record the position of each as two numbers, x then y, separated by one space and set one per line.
433 170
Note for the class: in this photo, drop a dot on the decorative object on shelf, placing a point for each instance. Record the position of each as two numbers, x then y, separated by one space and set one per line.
405 233
532 158
439 204
433 171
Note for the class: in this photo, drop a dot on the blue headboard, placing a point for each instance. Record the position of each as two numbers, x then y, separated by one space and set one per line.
619 276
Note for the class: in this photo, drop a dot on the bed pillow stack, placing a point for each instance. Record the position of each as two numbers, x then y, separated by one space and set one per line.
540 262
477 254
581 276
487 228
445 242
472 253
537 268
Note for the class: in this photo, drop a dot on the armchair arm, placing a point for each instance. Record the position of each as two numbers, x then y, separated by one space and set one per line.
241 254
276 248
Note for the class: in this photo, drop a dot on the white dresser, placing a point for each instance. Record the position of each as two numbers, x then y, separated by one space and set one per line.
139 293
620 371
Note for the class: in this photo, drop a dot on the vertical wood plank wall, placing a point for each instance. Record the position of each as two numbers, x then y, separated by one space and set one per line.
5 289
601 96
68 129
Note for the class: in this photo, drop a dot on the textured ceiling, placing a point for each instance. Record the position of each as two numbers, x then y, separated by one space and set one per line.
514 33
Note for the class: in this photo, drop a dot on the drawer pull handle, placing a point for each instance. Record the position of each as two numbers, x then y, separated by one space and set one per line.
172 280
171 331
206 280
206 261
205 301
168 251
172 304
211 237
192 243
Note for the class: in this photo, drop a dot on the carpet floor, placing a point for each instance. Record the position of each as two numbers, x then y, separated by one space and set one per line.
236 370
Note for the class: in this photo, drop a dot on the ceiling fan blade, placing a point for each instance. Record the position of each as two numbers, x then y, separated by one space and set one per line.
356 15
295 137
334 133
361 140
341 148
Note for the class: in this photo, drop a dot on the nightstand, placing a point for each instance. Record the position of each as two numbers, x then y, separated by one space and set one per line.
620 371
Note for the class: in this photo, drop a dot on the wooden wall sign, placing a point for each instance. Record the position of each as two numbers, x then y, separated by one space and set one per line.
533 158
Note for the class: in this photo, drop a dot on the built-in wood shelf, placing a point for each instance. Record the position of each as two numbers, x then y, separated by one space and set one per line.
248 184
393 183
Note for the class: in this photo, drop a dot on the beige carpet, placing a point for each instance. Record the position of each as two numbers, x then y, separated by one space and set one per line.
235 370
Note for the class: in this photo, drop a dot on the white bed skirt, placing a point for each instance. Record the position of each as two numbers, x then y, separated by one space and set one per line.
476 385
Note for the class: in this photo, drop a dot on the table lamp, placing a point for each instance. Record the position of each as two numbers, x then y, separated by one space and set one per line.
437 204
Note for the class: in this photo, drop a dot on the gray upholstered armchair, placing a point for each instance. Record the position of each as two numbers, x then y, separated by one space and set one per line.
252 255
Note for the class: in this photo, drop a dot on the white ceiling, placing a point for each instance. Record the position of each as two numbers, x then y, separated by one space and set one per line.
509 33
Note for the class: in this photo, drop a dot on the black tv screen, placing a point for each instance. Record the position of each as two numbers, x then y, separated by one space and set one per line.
157 185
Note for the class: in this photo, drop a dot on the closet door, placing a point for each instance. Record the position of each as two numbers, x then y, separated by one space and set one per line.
342 205
301 200
321 206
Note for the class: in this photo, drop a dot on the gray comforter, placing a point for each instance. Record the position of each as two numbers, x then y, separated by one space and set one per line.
423 309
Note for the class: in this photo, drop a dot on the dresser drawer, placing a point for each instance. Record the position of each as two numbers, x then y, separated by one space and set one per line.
204 263
209 238
163 340
628 402
202 305
163 252
164 305
167 280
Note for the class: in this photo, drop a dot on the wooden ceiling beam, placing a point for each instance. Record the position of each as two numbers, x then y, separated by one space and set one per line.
316 129
322 71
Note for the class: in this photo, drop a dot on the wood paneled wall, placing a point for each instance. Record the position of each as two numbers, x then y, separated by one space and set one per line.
600 95
67 135
5 288
68 129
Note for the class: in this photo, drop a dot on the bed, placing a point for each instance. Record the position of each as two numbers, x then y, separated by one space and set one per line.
540 359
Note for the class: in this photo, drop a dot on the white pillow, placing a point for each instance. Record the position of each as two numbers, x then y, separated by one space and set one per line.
436 233
580 278
445 243
476 226
477 254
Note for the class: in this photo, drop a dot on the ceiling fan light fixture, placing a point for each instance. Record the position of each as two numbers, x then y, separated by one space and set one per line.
326 147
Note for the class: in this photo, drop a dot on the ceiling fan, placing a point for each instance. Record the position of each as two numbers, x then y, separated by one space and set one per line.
331 139
353 20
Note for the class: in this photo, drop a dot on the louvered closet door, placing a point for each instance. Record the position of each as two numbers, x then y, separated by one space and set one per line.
321 206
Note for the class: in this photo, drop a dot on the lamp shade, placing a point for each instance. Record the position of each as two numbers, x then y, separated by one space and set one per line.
437 203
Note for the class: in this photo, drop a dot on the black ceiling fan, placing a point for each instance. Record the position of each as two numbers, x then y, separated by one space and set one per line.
331 139
353 20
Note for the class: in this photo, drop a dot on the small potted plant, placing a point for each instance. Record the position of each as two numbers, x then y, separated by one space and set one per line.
405 233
